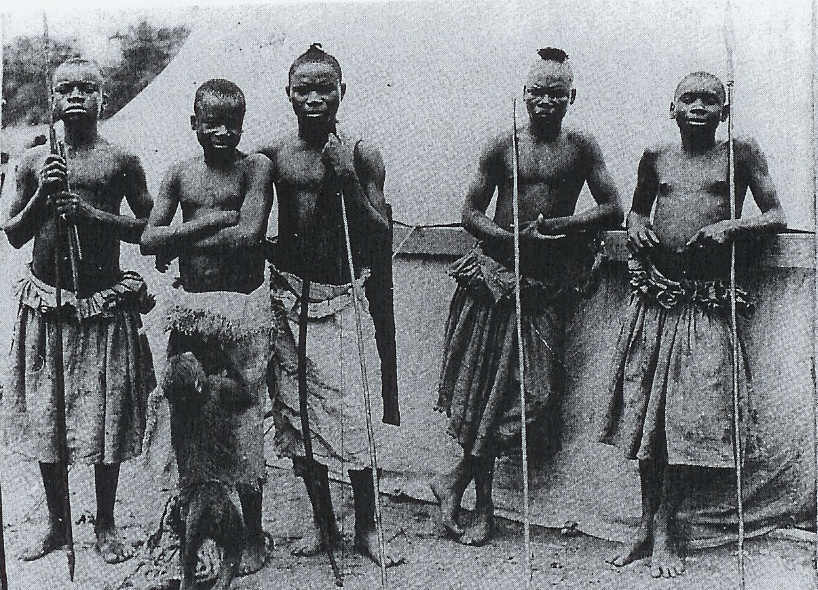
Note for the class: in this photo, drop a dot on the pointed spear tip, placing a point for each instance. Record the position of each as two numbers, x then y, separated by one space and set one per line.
71 562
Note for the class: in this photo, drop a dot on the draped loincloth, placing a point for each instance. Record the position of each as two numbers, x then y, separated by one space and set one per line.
671 385
336 407
108 372
479 378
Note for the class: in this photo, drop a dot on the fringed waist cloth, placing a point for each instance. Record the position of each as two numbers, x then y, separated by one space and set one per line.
671 376
479 380
107 365
335 398
230 333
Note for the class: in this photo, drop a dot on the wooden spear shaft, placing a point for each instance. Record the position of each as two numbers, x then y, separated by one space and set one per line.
520 349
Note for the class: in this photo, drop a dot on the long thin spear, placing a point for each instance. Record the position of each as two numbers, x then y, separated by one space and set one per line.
59 374
515 199
738 457
373 459
4 582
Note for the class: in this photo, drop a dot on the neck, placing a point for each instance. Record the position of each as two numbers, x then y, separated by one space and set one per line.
315 134
79 134
544 131
220 158
698 141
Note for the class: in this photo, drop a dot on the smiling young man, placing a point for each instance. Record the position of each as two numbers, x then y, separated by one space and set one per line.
107 367
311 167
222 312
670 402
479 385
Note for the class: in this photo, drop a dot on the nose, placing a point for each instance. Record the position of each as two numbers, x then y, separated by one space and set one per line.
75 93
313 98
221 130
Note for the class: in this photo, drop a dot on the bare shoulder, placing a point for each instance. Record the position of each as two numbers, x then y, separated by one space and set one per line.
654 151
497 145
368 153
121 155
257 163
747 149
278 145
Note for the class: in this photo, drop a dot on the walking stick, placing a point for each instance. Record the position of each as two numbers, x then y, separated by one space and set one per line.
59 369
311 477
373 459
731 170
515 199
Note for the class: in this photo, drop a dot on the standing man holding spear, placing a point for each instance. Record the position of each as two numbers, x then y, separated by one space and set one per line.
88 404
680 379
503 338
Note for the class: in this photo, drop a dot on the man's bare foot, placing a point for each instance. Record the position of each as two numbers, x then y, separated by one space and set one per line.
666 561
310 544
254 555
47 542
111 547
367 544
640 549
449 506
480 532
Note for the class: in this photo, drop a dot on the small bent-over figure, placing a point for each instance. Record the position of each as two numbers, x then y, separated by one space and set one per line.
670 399
479 385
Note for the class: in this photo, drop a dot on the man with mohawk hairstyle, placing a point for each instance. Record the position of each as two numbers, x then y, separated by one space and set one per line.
312 168
479 385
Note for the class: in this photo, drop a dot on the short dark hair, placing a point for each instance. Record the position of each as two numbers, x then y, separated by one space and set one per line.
314 54
222 89
707 75
553 54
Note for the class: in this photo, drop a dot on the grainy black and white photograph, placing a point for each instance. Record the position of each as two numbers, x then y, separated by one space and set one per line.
408 295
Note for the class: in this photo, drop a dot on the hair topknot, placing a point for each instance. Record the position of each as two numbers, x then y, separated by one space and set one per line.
552 54
222 89
315 54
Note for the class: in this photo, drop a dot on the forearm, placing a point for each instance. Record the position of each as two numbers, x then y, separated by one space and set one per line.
163 238
22 226
227 238
768 222
483 228
127 229
604 216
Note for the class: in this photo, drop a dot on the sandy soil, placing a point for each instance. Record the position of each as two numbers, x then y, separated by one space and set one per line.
433 561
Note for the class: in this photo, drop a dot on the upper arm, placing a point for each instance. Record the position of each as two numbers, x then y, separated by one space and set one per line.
647 184
136 188
167 200
371 173
26 181
258 197
757 173
490 171
600 182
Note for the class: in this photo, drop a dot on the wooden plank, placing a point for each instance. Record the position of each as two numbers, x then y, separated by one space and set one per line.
786 250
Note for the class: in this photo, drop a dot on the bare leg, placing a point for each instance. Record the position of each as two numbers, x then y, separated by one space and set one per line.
54 535
366 533
314 541
650 480
666 561
448 489
480 532
254 554
109 542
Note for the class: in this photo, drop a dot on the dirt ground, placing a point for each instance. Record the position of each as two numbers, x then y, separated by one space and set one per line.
432 561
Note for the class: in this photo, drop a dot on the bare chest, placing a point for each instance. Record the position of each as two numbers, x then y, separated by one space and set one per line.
99 177
555 165
681 177
201 187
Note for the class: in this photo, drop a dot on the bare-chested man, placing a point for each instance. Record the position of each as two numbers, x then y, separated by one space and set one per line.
479 385
311 167
670 397
108 372
222 312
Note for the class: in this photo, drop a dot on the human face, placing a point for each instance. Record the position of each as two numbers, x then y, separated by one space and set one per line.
217 123
548 91
698 103
77 92
315 93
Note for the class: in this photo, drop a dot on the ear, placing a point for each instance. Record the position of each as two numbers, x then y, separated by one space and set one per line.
102 104
193 122
573 96
343 90
672 111
725 112
287 91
